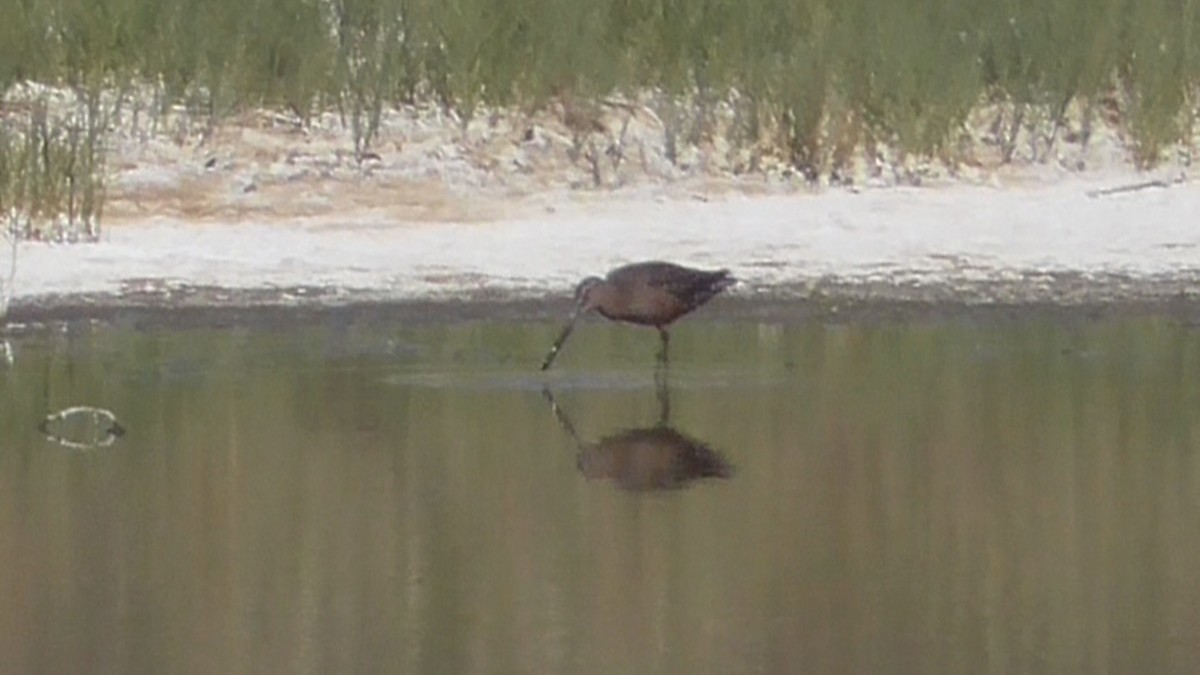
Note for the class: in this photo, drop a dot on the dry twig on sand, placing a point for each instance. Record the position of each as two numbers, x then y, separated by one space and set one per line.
1138 187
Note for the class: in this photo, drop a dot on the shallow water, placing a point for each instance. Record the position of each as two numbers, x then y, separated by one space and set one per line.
1010 496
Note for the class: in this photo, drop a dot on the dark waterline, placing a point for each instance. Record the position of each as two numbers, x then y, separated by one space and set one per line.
362 495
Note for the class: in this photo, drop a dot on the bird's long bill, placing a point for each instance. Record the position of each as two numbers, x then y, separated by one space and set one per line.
562 337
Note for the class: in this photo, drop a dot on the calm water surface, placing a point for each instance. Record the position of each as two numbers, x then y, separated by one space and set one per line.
1009 497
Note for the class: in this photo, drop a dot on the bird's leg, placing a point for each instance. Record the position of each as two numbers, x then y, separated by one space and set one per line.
660 385
660 376
663 393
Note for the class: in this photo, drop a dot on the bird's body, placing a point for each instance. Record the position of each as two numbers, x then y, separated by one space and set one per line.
648 293
656 293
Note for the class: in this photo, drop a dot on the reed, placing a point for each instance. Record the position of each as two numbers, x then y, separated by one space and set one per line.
808 77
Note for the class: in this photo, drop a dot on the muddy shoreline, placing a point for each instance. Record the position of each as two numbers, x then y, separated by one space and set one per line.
1066 297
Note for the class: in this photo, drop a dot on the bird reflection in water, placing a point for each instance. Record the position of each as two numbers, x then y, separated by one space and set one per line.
658 457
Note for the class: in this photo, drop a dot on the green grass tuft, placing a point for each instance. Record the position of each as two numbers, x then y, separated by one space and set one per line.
806 76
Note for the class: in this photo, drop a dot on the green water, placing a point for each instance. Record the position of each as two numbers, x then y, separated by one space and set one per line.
1005 497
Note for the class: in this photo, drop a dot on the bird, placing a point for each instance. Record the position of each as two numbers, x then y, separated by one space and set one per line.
653 293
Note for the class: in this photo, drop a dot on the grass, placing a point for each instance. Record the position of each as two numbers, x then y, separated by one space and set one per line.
51 171
811 79
907 71
51 177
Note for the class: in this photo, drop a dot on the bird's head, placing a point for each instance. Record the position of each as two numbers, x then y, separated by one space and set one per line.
586 296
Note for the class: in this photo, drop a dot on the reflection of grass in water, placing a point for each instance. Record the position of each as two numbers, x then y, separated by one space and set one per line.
808 80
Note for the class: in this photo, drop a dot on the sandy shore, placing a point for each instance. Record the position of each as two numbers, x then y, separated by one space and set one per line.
966 244
275 217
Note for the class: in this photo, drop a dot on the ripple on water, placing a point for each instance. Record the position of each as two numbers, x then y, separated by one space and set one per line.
584 380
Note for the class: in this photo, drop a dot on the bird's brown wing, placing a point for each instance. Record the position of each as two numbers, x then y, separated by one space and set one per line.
674 279
691 285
